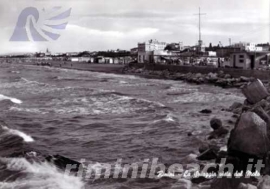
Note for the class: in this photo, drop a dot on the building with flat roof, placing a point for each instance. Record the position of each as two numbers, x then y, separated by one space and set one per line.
249 60
147 50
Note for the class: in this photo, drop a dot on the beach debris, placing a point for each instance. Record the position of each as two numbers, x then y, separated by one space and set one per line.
255 91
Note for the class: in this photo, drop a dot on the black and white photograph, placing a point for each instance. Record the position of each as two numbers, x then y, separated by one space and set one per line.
134 94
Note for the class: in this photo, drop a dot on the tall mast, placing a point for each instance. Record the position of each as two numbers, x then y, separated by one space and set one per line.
200 34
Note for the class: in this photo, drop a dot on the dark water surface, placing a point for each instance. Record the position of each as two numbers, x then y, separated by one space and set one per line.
100 118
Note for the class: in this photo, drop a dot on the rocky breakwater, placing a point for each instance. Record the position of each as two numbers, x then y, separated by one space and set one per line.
219 79
247 153
237 157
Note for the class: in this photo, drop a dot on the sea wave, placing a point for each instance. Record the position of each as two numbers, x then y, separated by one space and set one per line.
27 81
14 100
25 137
37 175
169 118
204 97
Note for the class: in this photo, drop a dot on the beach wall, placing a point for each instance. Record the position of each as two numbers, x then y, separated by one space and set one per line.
263 75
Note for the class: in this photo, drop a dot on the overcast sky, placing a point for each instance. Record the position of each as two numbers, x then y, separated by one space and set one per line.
112 24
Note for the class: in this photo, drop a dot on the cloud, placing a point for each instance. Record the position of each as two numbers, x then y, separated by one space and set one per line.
192 29
140 32
111 24
239 20
129 14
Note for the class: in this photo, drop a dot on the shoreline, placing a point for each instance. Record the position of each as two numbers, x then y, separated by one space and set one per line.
219 78
213 79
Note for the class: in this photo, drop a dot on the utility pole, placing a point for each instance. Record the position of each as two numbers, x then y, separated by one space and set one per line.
200 35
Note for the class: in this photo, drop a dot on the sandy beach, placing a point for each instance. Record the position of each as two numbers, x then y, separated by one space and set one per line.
105 68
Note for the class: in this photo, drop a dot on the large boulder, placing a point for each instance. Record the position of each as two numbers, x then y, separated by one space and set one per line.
250 135
255 91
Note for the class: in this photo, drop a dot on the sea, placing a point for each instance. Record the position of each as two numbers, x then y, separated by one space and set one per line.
99 119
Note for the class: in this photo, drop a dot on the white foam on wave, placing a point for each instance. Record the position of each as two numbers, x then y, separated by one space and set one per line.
27 81
39 175
159 104
15 72
203 97
25 137
122 82
14 100
180 91
170 118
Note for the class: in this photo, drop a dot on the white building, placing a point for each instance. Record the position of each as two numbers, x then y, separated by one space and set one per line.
80 59
146 51
250 47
